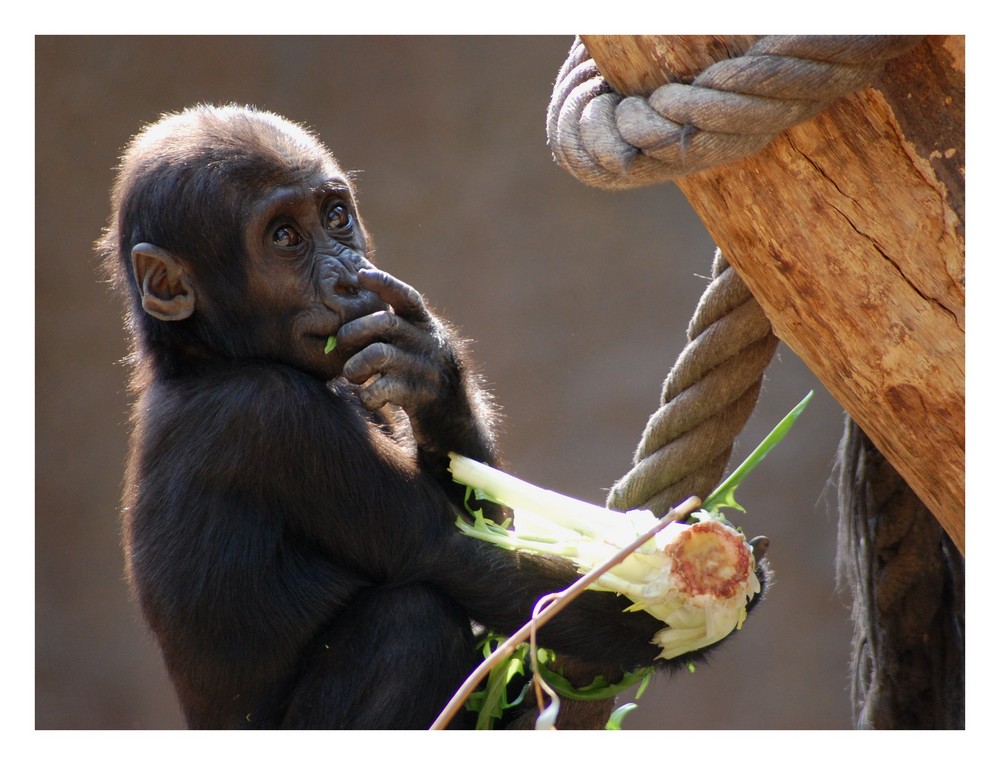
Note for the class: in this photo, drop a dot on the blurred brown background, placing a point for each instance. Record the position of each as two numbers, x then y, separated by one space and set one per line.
578 301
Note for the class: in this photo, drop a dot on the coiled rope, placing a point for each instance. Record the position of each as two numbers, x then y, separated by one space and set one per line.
731 110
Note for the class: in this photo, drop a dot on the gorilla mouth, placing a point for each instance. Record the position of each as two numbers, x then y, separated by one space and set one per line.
366 304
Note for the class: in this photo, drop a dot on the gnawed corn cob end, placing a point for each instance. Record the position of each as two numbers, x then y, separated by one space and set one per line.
703 589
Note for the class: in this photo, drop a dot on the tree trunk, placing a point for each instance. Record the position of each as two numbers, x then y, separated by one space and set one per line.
849 230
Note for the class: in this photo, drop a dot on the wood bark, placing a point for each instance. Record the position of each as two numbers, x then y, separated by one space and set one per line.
849 230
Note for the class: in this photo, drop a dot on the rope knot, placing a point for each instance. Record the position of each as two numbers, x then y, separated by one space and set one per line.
731 110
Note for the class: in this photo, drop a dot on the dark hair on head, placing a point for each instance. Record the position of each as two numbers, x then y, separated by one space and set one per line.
185 182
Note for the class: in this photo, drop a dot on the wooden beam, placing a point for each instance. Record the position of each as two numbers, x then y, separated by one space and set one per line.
849 230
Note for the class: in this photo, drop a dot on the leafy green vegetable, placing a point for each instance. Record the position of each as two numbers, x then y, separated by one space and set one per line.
698 609
615 721
599 688
723 495
491 702
331 343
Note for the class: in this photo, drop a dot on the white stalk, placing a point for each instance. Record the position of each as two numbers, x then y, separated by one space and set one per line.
555 508
696 578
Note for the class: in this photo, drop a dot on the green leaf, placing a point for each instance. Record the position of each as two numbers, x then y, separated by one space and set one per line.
643 685
331 343
491 702
615 721
599 688
494 700
724 495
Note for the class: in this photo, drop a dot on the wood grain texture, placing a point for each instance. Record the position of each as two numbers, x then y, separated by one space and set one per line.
849 230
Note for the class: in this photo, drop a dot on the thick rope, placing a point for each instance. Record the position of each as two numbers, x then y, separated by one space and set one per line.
731 110
907 582
906 577
706 399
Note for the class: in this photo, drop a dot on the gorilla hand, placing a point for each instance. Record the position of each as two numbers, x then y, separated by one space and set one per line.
407 357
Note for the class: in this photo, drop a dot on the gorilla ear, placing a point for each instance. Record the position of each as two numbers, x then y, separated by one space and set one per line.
166 289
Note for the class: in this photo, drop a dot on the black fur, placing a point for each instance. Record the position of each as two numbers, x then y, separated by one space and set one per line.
294 550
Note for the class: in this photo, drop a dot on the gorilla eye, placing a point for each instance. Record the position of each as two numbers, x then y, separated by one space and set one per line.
286 236
338 217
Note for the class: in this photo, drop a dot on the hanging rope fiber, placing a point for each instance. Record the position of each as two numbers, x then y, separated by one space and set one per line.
731 110
907 581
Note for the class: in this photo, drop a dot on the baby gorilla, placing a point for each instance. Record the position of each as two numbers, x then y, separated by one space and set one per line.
292 546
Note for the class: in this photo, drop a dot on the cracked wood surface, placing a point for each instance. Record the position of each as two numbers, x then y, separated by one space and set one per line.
849 230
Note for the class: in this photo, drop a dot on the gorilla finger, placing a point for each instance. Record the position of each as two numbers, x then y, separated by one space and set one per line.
364 330
389 360
384 390
387 328
403 298
377 358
